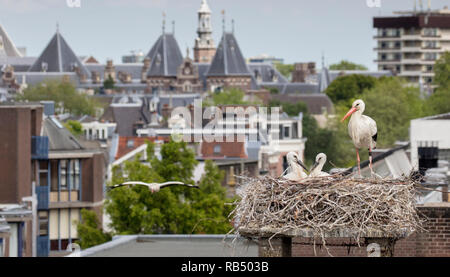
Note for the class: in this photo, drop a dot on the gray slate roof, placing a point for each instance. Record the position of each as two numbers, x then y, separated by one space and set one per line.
165 56
59 57
228 59
291 88
7 47
59 138
316 102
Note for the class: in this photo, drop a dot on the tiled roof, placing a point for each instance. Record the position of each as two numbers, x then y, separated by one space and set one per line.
223 150
129 143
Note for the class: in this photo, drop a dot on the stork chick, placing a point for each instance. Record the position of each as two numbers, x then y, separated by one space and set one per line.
296 167
316 170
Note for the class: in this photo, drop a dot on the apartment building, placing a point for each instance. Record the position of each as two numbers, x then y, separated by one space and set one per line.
410 43
42 163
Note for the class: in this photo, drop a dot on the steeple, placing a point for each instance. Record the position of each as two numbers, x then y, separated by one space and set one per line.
204 48
59 57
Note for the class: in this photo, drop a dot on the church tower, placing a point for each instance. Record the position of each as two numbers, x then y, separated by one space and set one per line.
204 48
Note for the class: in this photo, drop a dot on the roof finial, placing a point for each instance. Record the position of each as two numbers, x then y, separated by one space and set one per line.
57 27
164 23
232 26
223 20
173 27
323 60
415 6
187 52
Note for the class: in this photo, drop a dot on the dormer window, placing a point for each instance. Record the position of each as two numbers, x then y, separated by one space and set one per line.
44 66
217 149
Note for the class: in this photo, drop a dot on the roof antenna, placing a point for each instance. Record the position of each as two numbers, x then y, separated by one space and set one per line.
164 23
57 27
173 27
232 26
420 6
415 7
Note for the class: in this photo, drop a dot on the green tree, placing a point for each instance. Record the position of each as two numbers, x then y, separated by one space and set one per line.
230 96
346 65
65 96
291 108
439 101
285 69
442 71
392 104
109 83
89 230
172 210
345 89
74 127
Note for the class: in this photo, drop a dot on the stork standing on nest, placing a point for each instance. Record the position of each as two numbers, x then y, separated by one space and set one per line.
296 167
363 131
316 170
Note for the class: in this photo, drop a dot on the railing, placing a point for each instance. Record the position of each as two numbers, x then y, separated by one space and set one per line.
39 147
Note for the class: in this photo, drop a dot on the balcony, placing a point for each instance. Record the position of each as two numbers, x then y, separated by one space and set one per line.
39 148
42 193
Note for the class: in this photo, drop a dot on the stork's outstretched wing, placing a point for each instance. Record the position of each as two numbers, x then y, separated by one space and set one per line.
153 186
174 183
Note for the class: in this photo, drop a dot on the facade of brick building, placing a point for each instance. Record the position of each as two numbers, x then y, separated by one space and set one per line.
433 243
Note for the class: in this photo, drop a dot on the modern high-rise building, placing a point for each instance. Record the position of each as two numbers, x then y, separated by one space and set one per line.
410 43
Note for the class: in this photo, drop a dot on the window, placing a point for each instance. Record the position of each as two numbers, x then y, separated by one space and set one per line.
63 174
75 174
43 173
54 175
130 143
43 223
103 134
287 133
217 149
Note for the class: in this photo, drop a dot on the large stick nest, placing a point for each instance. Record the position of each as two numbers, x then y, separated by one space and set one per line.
324 205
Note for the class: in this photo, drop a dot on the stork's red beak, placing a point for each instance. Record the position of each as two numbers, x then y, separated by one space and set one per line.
352 110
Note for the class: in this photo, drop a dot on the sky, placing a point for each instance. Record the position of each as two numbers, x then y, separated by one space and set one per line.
295 30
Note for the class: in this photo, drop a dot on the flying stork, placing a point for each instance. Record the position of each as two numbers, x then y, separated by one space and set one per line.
154 187
363 131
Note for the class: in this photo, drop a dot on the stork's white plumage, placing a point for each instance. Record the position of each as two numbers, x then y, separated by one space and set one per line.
363 131
296 167
154 187
316 170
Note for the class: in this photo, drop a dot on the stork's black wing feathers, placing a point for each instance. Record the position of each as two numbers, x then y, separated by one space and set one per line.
175 184
115 186
374 137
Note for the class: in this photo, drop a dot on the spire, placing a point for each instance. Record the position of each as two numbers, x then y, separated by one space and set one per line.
232 26
204 8
187 52
173 27
223 21
58 57
57 27
164 23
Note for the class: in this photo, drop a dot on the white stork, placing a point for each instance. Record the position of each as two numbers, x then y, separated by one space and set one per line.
154 187
296 167
363 131
316 170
